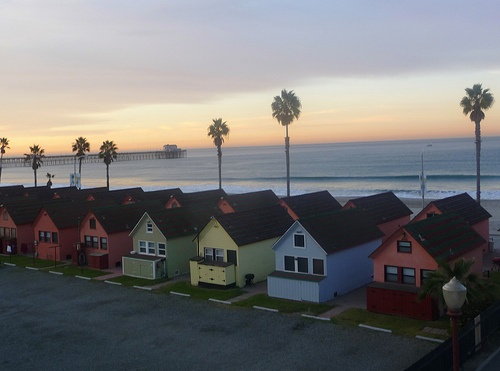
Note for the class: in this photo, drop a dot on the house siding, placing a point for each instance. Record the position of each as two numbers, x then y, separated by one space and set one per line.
292 289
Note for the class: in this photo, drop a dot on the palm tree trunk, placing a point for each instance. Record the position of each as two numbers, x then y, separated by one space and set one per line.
287 155
478 161
219 157
107 176
34 171
1 163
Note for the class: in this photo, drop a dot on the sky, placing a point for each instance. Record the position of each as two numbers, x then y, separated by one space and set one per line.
148 73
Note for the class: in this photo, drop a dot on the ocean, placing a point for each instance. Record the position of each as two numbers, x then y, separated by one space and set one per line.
343 169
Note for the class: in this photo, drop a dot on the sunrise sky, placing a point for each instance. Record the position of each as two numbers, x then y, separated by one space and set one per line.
147 73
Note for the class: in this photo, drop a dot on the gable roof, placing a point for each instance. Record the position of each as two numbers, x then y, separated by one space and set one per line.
252 200
122 217
464 206
162 195
203 205
254 225
120 196
11 191
341 229
312 203
173 222
66 213
382 207
446 236
22 210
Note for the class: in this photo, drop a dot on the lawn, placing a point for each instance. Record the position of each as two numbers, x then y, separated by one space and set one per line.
185 287
284 306
72 270
398 325
28 261
134 281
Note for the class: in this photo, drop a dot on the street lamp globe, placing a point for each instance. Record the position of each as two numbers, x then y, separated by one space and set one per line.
454 294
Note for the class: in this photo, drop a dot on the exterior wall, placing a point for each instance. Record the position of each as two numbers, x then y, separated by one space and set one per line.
291 289
418 259
98 232
257 258
10 231
119 244
25 238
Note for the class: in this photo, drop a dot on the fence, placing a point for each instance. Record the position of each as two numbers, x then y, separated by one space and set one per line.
472 336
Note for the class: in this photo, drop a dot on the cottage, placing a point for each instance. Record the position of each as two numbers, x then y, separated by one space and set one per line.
235 248
163 242
323 256
386 210
404 260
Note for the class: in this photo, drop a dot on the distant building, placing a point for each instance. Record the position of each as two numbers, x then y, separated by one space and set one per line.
170 148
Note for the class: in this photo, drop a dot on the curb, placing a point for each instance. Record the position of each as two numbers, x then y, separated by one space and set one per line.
219 301
10 264
113 283
266 309
375 328
180 294
140 287
315 317
429 339
83 278
58 273
32 268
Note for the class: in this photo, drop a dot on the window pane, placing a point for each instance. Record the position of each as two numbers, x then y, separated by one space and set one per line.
404 246
13 232
92 223
151 248
162 249
209 254
299 240
95 242
41 236
104 243
302 265
318 267
142 247
149 227
391 274
231 257
219 255
55 237
289 263
409 276
87 241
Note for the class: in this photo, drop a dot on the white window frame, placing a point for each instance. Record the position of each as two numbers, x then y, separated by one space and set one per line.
143 247
303 236
151 248
149 227
214 254
162 249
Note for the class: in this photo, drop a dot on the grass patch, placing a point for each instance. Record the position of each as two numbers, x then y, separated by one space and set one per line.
200 292
399 325
135 281
72 270
284 306
27 261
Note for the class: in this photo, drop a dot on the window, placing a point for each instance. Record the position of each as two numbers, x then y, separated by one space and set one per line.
299 240
43 236
289 263
231 257
2 231
212 254
318 267
55 237
95 242
142 247
104 243
294 264
425 275
92 223
149 227
409 276
13 232
5 215
151 248
87 241
7 232
162 249
391 274
404 246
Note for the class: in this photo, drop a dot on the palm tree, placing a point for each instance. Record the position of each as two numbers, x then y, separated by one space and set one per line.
108 153
4 143
50 177
474 103
80 147
286 108
35 157
218 131
478 289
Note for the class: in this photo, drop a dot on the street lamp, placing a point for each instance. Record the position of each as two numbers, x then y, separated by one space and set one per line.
422 175
454 294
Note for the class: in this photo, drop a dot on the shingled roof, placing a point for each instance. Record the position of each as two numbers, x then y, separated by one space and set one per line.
252 200
341 229
446 236
382 207
66 213
312 203
22 210
173 222
464 206
255 225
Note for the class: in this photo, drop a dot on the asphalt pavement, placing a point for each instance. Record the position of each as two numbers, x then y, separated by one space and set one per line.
50 322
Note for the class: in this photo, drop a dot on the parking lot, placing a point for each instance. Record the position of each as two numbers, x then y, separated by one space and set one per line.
50 322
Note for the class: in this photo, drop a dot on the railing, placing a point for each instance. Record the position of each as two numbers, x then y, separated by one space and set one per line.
472 336
92 158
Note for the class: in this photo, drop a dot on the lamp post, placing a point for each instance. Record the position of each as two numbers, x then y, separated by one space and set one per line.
454 294
422 175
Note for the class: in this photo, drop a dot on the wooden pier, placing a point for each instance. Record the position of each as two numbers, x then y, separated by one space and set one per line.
92 158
